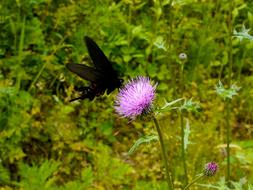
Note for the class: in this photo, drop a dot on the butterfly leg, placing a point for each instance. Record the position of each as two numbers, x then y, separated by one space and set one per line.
86 93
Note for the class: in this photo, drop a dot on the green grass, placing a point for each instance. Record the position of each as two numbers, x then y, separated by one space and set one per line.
87 141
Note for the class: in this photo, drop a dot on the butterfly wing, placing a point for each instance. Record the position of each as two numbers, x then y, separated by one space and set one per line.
103 77
85 72
98 57
103 65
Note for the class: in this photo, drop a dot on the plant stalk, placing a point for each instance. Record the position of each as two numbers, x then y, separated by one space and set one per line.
165 158
228 103
182 124
228 128
183 149
172 65
193 181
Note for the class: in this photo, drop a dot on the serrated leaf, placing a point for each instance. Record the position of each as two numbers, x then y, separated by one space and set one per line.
243 34
145 139
190 106
226 93
160 43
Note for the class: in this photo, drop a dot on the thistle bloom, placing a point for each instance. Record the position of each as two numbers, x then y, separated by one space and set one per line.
135 98
210 169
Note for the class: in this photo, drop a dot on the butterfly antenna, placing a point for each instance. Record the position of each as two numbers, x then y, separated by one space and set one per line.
76 99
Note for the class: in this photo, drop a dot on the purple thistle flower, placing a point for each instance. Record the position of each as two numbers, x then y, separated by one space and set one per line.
210 169
135 98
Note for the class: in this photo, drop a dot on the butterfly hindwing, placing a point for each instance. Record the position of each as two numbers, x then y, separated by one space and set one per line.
87 92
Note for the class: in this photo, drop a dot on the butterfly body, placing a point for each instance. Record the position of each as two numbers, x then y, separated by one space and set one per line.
103 77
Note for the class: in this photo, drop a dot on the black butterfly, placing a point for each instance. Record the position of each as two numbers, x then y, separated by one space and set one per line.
102 77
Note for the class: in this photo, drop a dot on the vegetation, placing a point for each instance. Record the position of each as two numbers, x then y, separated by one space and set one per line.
48 143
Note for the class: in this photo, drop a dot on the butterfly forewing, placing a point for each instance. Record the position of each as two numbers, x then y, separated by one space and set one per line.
85 72
98 57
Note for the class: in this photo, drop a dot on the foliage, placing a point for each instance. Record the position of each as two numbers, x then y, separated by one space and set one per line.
226 93
145 139
35 177
243 34
84 145
221 185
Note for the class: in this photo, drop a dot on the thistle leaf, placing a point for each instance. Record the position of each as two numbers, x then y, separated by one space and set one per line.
145 139
243 34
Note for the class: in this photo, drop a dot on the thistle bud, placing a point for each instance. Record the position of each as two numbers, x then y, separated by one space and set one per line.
210 169
182 56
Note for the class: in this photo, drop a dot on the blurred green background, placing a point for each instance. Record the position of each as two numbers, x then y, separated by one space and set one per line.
47 143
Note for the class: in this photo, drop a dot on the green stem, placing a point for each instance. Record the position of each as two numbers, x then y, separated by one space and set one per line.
183 148
46 62
129 26
193 181
170 25
37 76
182 124
228 128
20 53
165 159
230 54
230 50
170 31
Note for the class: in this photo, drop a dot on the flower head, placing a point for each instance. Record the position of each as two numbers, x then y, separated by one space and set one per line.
182 56
210 169
135 98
